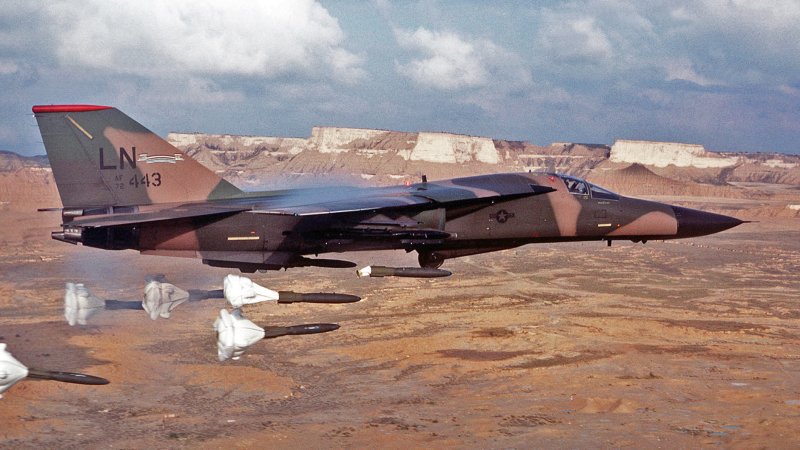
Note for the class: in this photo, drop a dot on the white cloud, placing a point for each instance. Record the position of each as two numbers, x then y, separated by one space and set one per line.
8 67
448 61
768 16
751 41
249 38
683 69
706 42
575 38
193 90
789 90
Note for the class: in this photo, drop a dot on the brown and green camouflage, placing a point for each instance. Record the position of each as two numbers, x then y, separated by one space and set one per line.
123 187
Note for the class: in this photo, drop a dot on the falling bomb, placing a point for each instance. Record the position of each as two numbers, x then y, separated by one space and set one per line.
407 272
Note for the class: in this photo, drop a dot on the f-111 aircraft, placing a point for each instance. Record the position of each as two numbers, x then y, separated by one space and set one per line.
123 187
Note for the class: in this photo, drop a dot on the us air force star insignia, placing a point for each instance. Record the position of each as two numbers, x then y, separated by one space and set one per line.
502 216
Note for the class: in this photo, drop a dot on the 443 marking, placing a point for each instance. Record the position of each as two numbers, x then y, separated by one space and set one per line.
146 180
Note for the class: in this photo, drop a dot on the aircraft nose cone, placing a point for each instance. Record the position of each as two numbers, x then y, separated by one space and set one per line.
692 222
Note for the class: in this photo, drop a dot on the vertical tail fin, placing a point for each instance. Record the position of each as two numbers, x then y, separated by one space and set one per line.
101 157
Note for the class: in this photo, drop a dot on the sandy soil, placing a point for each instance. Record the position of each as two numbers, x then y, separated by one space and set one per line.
669 344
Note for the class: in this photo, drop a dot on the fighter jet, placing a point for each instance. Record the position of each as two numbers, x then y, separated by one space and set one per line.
123 187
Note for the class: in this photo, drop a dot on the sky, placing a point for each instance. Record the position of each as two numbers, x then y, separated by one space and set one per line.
722 73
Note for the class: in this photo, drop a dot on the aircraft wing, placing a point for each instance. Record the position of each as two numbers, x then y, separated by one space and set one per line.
457 192
418 197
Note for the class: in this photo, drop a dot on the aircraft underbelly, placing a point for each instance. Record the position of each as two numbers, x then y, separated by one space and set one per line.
239 238
181 235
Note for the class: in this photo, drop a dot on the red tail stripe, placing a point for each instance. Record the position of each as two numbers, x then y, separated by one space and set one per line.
67 108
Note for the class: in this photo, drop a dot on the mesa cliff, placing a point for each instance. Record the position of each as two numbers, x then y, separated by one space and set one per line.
381 157
388 156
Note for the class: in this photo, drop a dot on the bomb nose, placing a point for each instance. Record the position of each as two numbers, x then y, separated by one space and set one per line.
692 222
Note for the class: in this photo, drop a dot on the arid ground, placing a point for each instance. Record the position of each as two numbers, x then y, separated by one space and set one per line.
690 343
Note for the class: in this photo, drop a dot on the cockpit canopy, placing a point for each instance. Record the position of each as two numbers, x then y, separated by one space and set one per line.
578 186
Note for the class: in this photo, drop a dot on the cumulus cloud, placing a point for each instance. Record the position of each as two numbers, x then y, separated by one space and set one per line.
683 69
766 16
268 38
14 72
447 61
705 42
8 67
742 42
571 39
193 90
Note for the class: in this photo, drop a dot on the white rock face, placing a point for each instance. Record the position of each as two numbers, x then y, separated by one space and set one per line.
663 154
182 139
290 146
336 140
452 148
779 164
431 147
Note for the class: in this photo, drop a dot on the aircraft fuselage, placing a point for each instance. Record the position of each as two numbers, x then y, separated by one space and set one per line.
581 212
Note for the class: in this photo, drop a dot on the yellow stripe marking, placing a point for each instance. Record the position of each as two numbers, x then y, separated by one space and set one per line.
79 127
244 238
603 225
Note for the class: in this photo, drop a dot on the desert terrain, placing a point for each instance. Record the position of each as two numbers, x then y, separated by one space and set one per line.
675 344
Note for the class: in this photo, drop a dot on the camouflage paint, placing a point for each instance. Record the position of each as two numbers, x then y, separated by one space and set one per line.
101 158
124 187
